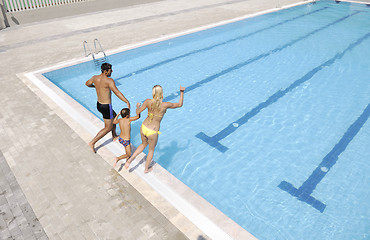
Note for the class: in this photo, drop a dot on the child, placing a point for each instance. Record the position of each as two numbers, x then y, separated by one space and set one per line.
125 126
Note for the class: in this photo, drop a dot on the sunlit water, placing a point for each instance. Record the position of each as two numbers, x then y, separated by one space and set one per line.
274 130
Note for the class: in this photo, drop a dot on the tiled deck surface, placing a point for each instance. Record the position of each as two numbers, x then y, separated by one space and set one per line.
17 219
61 190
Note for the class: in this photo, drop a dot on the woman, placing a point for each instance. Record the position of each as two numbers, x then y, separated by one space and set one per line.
149 130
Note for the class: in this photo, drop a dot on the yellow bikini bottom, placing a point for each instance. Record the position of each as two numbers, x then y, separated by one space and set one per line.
147 131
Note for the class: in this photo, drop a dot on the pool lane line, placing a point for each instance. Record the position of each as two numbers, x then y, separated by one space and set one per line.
214 140
303 193
216 45
256 58
111 25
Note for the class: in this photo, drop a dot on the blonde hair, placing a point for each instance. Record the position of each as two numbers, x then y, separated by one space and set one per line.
157 93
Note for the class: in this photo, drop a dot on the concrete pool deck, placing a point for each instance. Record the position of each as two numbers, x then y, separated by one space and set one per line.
54 186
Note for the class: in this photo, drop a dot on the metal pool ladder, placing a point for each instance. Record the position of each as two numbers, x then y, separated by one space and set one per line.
97 49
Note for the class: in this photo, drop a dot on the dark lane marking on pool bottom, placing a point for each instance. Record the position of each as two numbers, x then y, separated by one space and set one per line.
254 59
217 45
303 193
214 141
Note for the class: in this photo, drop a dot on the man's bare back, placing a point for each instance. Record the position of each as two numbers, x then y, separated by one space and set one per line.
104 85
103 90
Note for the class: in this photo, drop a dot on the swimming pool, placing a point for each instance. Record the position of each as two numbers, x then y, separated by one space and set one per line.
274 128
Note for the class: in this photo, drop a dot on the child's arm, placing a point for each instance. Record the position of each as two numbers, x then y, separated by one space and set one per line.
137 113
134 118
115 120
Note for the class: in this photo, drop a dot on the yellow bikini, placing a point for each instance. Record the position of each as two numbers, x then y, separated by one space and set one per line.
147 131
151 116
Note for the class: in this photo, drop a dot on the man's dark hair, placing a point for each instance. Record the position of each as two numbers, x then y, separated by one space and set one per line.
105 67
125 112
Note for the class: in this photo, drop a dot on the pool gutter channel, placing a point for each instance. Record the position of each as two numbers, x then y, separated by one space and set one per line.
210 220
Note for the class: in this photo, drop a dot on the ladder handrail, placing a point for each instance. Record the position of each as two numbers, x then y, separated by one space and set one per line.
88 52
101 48
88 48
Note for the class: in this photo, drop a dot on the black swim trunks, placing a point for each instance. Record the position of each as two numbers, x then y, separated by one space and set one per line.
106 110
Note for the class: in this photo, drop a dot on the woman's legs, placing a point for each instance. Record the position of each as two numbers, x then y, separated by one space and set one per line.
152 140
138 150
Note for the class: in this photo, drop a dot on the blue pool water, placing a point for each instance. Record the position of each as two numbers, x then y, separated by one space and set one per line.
274 130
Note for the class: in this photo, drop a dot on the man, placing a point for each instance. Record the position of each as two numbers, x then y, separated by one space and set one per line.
104 85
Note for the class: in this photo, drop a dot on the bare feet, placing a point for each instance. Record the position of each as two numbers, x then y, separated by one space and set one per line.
127 164
116 159
92 147
148 170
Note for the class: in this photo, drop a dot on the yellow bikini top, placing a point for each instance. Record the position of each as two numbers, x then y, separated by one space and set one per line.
151 116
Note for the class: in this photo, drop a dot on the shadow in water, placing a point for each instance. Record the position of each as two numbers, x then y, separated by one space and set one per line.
168 153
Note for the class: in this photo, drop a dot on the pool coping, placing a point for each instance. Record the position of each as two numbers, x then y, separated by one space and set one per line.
353 1
205 216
